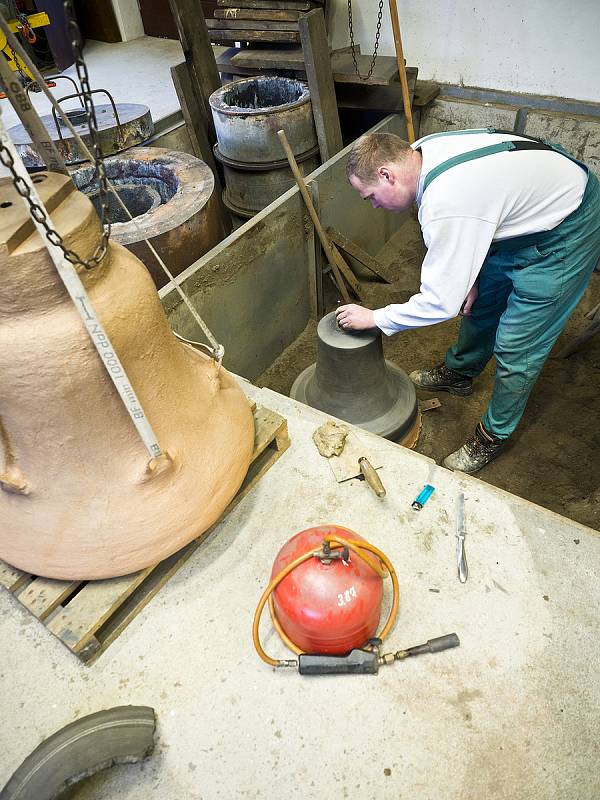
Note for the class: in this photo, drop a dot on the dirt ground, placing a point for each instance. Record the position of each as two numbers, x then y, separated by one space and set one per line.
553 458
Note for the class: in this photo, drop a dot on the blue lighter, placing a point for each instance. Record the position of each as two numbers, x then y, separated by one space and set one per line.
423 497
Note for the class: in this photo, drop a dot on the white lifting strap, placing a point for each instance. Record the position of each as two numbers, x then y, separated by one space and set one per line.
217 350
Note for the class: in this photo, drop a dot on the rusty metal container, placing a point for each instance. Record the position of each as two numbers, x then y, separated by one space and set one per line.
120 126
170 195
251 187
247 114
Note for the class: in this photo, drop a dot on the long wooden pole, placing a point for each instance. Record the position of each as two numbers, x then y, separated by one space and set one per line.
333 257
402 71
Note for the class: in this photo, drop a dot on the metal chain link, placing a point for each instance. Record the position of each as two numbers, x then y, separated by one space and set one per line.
23 189
24 77
353 47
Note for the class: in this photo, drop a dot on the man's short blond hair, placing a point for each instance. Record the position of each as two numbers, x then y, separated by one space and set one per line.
372 151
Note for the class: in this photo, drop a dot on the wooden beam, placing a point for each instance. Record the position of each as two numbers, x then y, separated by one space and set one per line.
320 83
336 261
402 70
196 43
247 35
375 98
196 123
354 250
256 13
238 25
282 5
425 92
384 73
267 59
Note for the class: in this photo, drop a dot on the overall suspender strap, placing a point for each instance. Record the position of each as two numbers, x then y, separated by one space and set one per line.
456 133
462 158
480 152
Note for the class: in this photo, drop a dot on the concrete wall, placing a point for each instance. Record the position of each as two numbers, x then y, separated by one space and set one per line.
540 46
578 133
175 137
257 289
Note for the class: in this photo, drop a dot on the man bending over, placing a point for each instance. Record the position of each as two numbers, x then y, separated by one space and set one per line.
512 229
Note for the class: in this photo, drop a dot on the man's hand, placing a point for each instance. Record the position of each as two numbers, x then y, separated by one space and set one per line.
469 300
354 318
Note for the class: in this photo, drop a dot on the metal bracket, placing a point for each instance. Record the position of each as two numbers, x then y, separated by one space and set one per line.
429 405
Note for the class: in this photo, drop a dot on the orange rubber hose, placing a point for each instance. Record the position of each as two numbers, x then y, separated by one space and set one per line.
356 545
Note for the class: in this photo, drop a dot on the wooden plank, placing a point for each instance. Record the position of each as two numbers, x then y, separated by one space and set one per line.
196 123
278 59
407 91
137 601
359 254
193 113
257 13
315 265
43 595
196 44
375 98
250 25
281 5
329 248
267 426
425 92
384 72
320 82
10 577
226 65
344 268
76 624
221 35
245 61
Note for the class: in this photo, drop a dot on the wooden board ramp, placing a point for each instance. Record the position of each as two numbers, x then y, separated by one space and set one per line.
88 615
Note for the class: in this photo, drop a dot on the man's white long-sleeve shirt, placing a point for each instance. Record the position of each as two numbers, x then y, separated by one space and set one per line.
472 204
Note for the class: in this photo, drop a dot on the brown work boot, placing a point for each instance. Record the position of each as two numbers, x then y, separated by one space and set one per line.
479 449
442 379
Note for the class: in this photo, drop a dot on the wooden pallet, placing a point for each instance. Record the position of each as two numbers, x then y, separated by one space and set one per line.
88 615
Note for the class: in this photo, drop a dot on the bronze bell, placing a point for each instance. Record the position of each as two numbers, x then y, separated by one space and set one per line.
352 381
79 496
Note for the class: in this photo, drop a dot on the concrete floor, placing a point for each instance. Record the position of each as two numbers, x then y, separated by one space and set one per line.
513 713
133 72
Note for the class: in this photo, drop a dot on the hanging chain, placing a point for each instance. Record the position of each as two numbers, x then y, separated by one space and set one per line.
353 47
24 77
26 81
23 189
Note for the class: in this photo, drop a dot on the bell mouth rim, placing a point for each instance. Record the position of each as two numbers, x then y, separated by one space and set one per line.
385 425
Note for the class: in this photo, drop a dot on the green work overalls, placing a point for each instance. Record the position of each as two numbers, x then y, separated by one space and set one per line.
528 287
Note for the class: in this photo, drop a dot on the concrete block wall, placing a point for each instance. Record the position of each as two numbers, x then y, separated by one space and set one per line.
577 133
448 114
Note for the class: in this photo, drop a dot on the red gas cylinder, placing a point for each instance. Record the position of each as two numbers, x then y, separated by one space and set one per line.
327 607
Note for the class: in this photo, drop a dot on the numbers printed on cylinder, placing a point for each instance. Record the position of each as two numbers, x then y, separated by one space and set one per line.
346 597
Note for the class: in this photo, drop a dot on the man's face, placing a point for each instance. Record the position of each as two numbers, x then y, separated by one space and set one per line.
390 190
